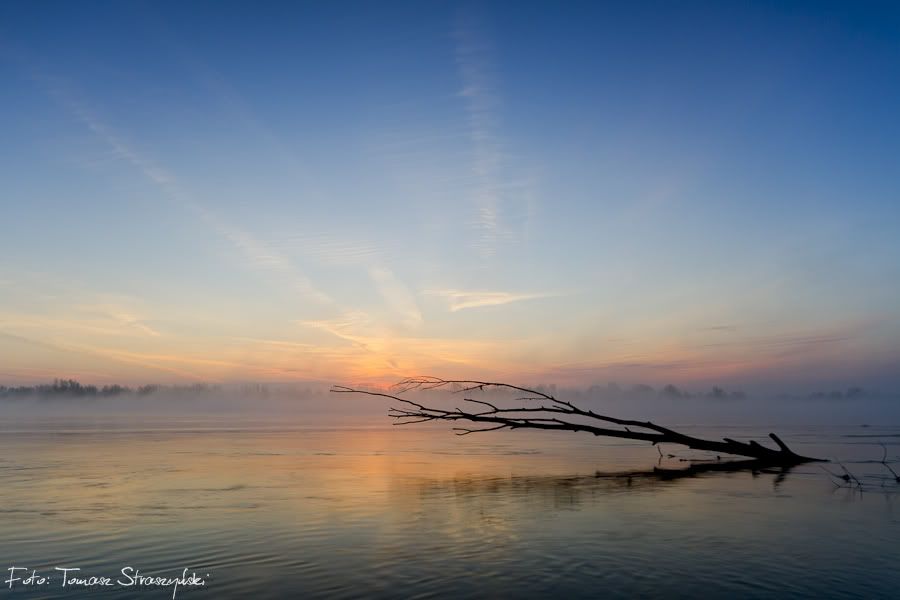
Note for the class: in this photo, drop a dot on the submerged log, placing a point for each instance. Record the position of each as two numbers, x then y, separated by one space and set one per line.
554 414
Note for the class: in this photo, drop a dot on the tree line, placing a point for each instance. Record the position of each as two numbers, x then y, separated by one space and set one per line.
71 388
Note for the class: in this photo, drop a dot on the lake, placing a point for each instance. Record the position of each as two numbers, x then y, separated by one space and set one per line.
286 508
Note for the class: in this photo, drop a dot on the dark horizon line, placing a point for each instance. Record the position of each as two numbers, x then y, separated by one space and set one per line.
72 387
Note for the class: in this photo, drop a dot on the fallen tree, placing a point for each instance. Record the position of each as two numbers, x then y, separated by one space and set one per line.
551 413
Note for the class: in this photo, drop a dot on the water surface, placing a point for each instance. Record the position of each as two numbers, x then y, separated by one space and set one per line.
288 509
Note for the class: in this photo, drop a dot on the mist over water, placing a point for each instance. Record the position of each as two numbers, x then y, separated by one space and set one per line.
314 404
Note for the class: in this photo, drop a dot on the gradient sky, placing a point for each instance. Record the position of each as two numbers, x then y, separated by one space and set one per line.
568 193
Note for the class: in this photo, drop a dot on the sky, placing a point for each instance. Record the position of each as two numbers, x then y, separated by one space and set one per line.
694 193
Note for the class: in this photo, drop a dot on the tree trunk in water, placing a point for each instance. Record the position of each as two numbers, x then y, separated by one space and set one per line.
558 415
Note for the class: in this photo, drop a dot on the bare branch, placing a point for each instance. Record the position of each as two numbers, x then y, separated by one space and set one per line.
887 466
547 416
493 408
465 431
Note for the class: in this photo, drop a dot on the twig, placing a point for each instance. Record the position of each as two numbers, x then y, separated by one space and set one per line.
887 466
547 416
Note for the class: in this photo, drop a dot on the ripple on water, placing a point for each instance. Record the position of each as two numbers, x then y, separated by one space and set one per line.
417 515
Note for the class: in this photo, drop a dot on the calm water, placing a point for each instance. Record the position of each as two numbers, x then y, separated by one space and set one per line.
280 509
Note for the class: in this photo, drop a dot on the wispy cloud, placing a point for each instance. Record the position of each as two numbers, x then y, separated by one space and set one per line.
77 353
787 342
397 296
156 362
79 325
719 328
346 327
63 95
264 256
333 249
126 318
121 150
373 354
473 59
259 255
460 300
18 354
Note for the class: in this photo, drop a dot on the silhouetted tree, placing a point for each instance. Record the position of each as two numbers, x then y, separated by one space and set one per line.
542 410
672 391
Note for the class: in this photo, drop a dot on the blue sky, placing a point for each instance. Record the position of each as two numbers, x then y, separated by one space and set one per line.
636 192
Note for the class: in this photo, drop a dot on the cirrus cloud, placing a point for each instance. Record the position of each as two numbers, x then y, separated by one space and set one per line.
461 300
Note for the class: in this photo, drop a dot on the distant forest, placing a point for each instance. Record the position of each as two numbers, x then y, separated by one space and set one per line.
70 388
74 389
